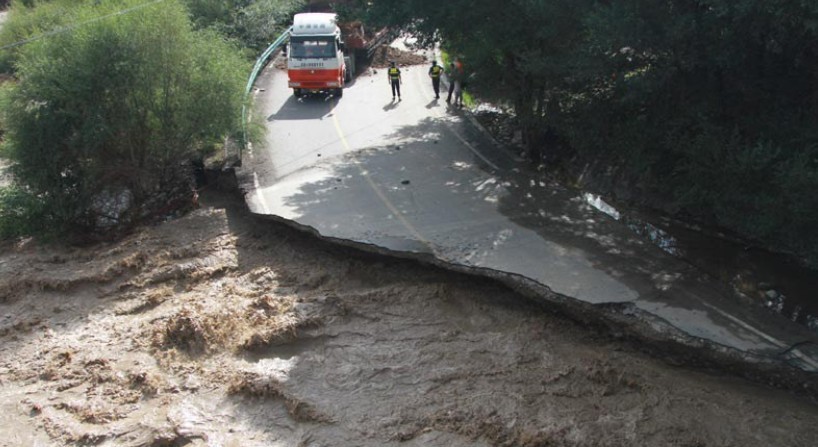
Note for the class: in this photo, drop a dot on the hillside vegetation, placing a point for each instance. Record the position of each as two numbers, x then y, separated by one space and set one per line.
110 101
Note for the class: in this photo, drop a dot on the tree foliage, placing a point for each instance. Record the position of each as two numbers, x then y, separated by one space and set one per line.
256 23
109 111
30 19
704 105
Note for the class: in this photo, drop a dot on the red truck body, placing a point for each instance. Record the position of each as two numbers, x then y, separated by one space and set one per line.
322 53
315 59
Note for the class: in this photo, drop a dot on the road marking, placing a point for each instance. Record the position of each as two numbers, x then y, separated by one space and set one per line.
778 343
389 205
257 186
256 183
471 148
451 129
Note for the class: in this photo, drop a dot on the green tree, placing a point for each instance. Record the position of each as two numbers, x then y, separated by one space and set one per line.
256 23
31 20
112 108
713 106
526 51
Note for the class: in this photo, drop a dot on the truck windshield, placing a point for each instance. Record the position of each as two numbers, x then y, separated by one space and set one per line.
312 48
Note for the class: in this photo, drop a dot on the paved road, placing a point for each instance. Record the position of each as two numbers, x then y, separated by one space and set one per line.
417 176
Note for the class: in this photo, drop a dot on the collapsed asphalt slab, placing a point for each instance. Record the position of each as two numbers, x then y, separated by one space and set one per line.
414 178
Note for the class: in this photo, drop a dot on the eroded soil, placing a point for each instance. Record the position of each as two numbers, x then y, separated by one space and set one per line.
224 330
385 55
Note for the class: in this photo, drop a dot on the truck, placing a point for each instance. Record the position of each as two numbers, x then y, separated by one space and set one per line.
315 55
322 53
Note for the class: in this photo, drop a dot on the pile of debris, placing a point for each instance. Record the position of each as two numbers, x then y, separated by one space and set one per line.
384 55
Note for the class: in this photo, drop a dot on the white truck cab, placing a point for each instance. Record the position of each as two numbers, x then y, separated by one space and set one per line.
315 58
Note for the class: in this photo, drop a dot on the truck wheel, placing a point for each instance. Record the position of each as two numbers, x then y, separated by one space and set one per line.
339 92
297 92
347 76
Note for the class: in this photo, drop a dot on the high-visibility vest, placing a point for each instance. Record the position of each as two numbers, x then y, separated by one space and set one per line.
435 71
394 73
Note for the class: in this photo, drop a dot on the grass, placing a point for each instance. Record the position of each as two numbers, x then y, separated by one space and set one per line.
469 99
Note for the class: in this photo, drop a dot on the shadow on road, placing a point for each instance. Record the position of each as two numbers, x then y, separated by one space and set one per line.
308 107
391 105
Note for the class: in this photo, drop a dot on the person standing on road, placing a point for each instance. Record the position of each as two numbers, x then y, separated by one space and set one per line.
458 92
450 74
455 73
393 74
434 73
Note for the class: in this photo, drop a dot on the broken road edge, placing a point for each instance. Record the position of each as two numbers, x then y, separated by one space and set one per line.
623 322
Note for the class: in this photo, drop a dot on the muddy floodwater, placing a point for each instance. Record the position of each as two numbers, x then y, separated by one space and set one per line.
220 329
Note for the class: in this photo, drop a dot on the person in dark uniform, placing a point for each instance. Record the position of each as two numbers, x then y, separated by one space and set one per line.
435 73
393 74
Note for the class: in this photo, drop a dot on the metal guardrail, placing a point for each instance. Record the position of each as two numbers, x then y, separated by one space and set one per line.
259 65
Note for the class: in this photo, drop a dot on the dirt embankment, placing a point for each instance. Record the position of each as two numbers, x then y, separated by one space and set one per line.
221 329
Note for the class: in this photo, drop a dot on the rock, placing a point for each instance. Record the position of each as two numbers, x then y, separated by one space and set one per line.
772 294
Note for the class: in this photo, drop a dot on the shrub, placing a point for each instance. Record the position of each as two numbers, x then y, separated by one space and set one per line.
256 23
21 214
115 107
